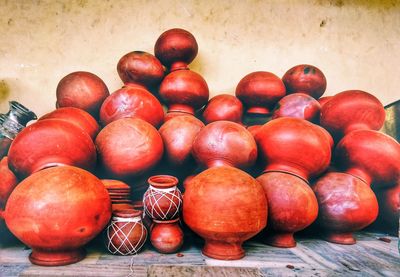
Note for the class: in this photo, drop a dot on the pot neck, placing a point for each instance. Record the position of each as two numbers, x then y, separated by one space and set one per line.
179 66
219 162
135 85
288 170
360 174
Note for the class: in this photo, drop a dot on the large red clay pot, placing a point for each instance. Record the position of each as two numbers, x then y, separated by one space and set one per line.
371 156
48 143
225 143
57 211
292 207
298 105
166 236
352 110
346 205
131 101
8 181
83 90
295 146
305 78
223 107
226 207
178 135
129 147
389 208
323 100
260 91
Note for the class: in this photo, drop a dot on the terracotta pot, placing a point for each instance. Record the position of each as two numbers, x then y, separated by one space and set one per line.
260 91
129 147
83 90
48 143
166 236
132 101
226 207
225 143
8 181
295 146
298 105
305 78
371 156
346 205
56 211
78 117
352 110
176 48
389 208
323 100
254 129
292 207
223 107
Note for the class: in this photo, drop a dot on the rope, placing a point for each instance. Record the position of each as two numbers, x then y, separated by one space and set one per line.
154 196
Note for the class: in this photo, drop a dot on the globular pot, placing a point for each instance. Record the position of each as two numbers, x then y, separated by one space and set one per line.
78 117
83 90
223 107
352 110
371 156
48 143
8 181
305 78
57 211
259 91
166 236
292 206
294 146
298 105
389 208
129 147
205 211
346 205
324 100
225 143
131 101
178 135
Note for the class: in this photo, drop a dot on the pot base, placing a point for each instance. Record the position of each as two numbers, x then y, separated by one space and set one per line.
340 238
43 258
223 250
282 240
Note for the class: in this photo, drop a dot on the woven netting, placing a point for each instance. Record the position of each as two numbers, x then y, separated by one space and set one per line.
162 204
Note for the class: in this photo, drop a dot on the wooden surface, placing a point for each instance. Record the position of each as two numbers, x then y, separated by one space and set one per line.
312 257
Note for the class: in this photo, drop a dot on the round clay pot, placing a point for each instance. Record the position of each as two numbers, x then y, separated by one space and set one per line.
83 90
305 78
223 107
371 156
323 100
254 129
8 181
166 236
176 48
292 207
129 147
346 205
352 110
298 105
48 143
56 211
225 143
389 208
295 146
226 207
131 101
260 91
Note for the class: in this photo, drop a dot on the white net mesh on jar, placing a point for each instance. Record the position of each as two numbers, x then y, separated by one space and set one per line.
154 202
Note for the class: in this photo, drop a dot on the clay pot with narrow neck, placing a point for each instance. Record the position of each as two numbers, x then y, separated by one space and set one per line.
8 181
298 105
223 107
166 236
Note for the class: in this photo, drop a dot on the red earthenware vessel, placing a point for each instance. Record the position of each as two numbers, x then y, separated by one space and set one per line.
292 207
129 147
8 181
254 129
346 205
223 107
389 208
225 143
205 211
48 143
56 211
323 100
260 91
298 105
83 90
166 236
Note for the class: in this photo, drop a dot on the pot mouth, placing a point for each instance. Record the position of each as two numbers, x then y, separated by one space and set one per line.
166 221
163 181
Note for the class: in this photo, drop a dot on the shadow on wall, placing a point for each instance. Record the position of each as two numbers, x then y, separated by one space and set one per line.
4 91
386 4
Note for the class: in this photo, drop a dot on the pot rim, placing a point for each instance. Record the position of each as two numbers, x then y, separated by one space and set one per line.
163 181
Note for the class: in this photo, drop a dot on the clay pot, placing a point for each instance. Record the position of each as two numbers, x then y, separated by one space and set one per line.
254 129
8 181
48 143
352 110
178 135
78 117
260 91
298 105
129 147
56 211
323 100
125 234
225 143
83 90
223 107
166 236
292 207
176 48
346 205
305 78
226 207
294 146
389 208
371 156
132 101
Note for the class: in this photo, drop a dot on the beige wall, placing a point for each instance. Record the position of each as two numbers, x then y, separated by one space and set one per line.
355 43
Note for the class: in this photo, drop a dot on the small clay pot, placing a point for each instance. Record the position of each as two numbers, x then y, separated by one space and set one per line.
223 107
298 105
166 236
